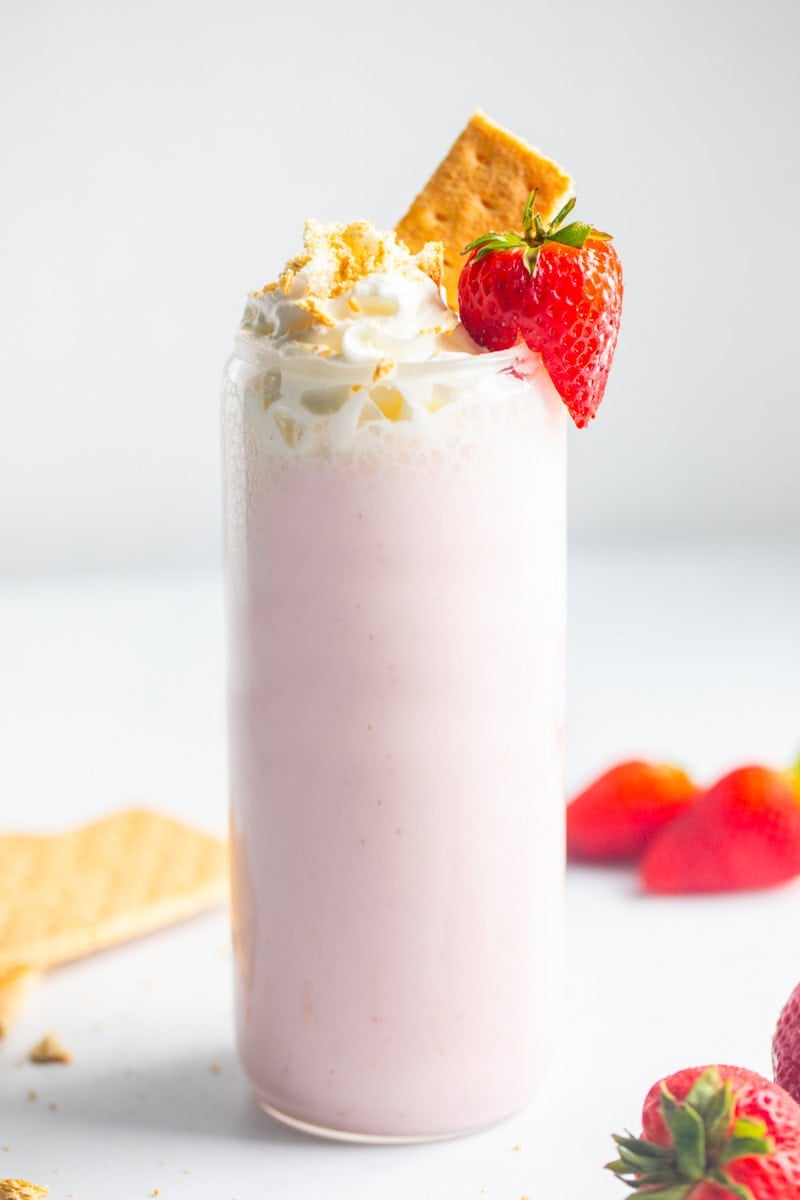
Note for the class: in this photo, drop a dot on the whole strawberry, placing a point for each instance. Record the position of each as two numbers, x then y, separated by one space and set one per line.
742 833
786 1046
617 815
714 1133
556 287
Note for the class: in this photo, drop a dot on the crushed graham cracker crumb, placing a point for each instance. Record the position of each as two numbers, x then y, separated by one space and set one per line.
309 305
346 253
50 1050
383 368
431 260
341 255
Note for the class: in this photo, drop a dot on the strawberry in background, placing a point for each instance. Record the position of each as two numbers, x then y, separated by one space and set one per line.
615 818
714 1133
786 1046
741 834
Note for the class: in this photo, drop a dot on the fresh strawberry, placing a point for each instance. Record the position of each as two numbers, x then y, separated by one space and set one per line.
556 287
714 1133
786 1046
742 833
615 817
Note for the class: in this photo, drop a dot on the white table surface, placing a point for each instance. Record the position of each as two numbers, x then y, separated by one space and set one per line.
111 692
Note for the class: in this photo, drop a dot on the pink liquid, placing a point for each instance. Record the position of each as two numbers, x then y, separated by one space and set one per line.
396 663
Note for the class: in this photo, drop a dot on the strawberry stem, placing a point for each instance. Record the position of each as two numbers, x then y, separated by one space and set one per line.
535 234
564 212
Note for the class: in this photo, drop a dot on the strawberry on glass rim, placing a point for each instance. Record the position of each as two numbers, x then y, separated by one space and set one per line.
558 289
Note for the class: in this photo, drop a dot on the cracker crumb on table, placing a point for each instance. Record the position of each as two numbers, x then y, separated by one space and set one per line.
50 1050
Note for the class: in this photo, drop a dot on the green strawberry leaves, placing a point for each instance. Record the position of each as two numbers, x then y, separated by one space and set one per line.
574 234
492 241
748 1138
706 1137
689 1135
536 234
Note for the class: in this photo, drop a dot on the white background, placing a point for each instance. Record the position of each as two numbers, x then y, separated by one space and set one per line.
159 158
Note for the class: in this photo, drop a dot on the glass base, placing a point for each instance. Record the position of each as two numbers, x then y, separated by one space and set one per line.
365 1139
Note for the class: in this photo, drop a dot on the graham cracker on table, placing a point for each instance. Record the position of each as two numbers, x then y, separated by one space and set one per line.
21 1189
68 895
14 987
483 183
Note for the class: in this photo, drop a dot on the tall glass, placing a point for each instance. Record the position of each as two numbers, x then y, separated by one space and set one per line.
396 648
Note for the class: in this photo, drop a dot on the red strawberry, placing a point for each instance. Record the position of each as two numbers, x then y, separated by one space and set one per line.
615 817
714 1133
556 287
786 1046
743 833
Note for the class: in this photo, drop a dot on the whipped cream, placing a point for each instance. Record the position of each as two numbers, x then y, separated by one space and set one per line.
357 294
356 336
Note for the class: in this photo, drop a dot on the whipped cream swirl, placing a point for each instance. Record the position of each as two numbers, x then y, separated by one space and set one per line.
358 295
356 339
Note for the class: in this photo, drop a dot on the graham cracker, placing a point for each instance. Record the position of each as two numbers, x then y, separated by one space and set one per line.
21 1189
14 987
68 895
483 183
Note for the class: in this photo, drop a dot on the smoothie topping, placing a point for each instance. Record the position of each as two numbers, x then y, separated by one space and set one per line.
484 180
375 306
357 293
555 287
335 257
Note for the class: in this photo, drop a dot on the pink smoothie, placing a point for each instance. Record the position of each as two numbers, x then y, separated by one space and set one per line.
396 620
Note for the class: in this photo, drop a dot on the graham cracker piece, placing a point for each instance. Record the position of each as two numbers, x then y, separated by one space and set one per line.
482 184
14 987
430 259
50 1050
21 1189
68 895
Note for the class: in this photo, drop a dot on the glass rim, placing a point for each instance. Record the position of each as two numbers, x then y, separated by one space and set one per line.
253 349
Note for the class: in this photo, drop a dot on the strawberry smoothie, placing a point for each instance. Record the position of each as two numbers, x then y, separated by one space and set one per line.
395 556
